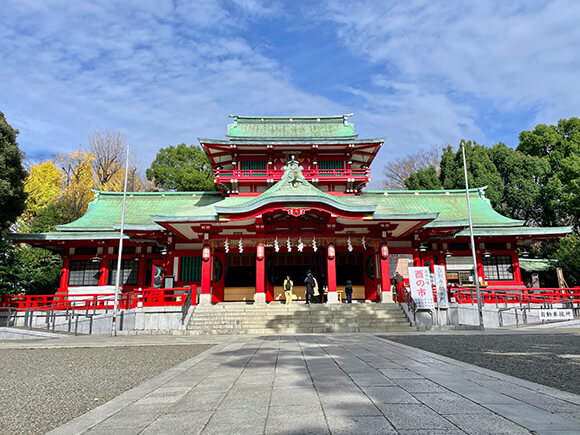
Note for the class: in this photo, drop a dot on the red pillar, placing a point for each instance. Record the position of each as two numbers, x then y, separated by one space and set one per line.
332 296
64 276
260 296
206 260
385 273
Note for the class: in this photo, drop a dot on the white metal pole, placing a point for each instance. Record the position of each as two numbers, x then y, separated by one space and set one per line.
476 278
119 257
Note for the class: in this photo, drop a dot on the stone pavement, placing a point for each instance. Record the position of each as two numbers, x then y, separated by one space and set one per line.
355 383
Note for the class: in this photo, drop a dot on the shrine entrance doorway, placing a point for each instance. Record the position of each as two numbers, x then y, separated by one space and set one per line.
295 264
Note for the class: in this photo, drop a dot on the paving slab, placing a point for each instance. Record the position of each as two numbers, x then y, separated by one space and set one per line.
321 384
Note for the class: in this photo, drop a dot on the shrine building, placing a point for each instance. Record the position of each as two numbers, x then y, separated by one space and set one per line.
291 197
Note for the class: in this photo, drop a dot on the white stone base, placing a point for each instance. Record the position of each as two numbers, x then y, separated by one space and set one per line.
204 299
332 298
386 297
260 298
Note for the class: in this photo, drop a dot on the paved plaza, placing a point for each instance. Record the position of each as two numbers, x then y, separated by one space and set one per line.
356 383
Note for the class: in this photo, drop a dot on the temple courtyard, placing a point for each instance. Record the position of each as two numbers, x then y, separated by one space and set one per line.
293 384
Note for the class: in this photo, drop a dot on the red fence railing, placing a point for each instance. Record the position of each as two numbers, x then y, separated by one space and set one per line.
92 301
276 174
524 296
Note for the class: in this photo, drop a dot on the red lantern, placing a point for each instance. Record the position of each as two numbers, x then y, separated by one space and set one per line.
205 253
260 252
331 251
384 251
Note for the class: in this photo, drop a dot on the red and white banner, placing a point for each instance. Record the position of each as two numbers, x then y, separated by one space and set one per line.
421 289
441 286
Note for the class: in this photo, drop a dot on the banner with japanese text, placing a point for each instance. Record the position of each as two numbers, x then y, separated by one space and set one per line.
421 289
441 286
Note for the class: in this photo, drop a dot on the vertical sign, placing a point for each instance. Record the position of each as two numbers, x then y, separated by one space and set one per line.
421 290
441 286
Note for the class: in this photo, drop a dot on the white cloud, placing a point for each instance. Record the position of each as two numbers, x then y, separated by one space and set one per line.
161 72
446 62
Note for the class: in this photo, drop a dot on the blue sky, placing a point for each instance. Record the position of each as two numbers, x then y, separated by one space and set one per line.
421 73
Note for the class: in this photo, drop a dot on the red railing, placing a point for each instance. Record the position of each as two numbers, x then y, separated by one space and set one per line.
276 174
504 296
524 296
91 301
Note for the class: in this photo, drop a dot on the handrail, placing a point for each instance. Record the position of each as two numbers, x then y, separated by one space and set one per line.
278 173
524 296
93 301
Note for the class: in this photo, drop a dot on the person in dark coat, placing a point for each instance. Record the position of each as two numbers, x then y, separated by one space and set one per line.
309 281
348 291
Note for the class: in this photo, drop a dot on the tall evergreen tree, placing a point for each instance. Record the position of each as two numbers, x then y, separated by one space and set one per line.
12 175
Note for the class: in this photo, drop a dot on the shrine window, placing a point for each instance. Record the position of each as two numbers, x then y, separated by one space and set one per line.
190 269
129 272
254 165
329 165
83 273
498 268
86 251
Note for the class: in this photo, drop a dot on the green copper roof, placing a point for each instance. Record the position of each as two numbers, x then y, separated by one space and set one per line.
537 264
298 128
443 208
517 231
69 235
450 204
104 212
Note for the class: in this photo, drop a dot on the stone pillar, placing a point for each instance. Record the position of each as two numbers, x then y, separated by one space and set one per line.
331 272
260 296
386 292
206 261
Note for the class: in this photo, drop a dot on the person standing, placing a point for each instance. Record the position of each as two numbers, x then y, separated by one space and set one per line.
288 287
348 291
398 283
309 281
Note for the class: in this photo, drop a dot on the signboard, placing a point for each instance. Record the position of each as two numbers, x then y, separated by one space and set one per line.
441 286
421 290
556 314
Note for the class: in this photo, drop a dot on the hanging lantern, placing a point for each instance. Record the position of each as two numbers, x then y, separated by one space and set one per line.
260 252
241 246
205 253
331 252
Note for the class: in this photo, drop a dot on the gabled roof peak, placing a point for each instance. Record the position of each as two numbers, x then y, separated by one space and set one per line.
296 127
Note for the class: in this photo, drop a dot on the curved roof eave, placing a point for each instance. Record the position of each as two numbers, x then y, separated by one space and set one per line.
293 200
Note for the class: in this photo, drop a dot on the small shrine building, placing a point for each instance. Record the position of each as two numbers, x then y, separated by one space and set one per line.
291 198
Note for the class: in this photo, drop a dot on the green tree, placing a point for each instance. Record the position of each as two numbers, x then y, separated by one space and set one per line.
181 168
558 146
522 176
480 170
424 179
568 255
12 176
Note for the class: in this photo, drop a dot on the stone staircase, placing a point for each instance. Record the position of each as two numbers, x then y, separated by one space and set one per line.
274 318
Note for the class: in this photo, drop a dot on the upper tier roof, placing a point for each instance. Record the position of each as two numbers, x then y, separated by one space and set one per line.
291 128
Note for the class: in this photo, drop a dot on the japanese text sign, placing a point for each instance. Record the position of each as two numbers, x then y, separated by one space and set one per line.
441 286
421 289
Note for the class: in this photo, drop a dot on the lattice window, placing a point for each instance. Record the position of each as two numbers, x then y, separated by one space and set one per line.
129 272
330 164
498 267
83 273
190 269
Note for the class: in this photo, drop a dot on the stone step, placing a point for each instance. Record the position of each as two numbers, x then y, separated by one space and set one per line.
296 318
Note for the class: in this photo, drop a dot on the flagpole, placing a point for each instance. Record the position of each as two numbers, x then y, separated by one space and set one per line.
476 278
119 257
